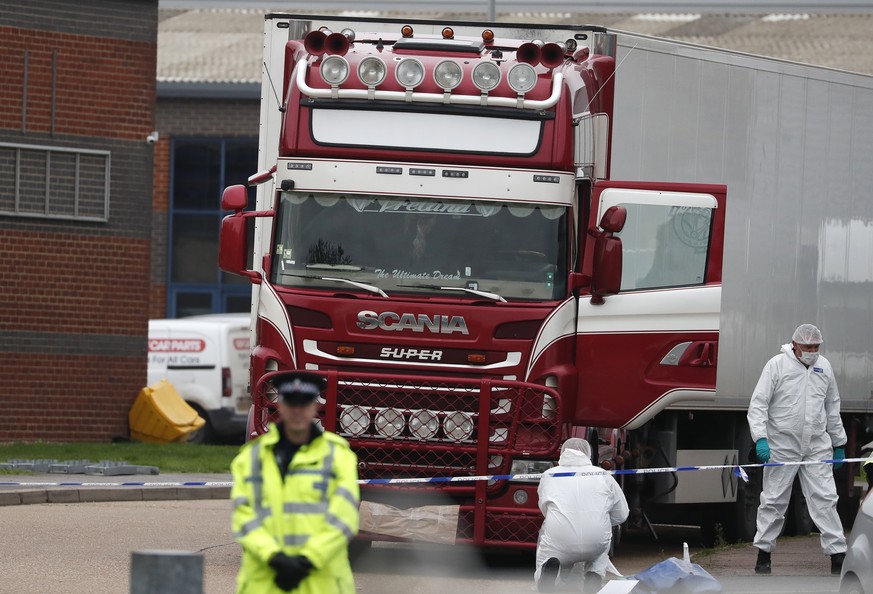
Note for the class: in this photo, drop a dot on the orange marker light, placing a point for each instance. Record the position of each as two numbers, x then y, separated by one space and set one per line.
345 350
476 358
487 35
406 30
448 33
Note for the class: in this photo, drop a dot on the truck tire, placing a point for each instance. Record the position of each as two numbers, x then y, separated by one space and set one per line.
204 435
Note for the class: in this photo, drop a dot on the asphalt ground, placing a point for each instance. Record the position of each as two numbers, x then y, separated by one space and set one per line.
42 544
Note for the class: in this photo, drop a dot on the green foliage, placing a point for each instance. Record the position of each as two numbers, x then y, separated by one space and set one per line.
169 457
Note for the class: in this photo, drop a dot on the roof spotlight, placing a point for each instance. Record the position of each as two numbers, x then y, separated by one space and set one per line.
372 71
409 73
486 76
334 70
522 78
448 74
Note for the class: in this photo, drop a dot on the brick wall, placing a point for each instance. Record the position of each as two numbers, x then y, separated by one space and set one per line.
98 83
63 396
74 294
50 288
207 117
160 240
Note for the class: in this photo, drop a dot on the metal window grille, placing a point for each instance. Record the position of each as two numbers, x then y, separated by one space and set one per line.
54 182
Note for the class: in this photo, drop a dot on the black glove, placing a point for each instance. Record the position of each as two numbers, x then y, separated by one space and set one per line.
290 571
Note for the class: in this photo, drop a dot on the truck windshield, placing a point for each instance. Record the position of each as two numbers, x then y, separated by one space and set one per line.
420 245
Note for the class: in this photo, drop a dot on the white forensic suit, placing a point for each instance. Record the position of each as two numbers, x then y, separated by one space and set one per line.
798 410
580 512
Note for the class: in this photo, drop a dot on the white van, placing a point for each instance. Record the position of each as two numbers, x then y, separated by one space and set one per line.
206 358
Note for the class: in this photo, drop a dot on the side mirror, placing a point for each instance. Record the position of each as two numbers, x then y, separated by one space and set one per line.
606 278
234 198
233 247
234 242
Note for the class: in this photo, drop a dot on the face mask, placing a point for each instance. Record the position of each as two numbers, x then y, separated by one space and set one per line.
808 358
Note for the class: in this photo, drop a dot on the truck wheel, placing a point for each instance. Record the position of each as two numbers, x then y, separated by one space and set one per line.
206 434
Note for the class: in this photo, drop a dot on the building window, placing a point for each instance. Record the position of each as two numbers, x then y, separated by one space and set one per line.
200 170
54 182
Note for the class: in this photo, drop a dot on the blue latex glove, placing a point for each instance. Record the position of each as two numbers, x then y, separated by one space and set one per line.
762 448
839 454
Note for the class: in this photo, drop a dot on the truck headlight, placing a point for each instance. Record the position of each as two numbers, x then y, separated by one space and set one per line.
424 424
390 422
355 420
458 425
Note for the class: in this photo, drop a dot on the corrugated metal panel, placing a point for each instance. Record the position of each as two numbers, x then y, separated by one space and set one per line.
793 145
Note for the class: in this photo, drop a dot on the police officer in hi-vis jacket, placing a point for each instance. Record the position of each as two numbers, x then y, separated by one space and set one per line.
295 499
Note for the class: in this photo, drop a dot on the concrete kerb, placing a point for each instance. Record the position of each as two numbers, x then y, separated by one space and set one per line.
30 495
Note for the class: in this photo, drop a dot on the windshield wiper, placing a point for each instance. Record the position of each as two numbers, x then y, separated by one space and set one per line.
336 279
477 292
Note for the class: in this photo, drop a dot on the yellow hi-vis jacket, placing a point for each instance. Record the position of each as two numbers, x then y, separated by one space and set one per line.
314 512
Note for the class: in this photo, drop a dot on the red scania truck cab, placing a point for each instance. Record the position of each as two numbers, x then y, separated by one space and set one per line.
436 233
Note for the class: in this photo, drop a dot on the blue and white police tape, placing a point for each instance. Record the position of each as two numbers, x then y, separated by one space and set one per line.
738 470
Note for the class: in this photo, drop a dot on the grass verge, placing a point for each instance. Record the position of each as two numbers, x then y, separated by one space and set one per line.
169 457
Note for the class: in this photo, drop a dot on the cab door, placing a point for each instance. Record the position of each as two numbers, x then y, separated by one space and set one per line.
653 341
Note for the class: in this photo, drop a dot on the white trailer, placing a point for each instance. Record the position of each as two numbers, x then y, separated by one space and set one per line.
793 143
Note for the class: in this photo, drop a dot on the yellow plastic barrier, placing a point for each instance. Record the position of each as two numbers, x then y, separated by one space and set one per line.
160 415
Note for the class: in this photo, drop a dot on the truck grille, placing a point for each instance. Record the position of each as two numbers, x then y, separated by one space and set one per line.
406 426
413 427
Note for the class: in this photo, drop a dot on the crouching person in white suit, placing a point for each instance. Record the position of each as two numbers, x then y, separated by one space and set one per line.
580 512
